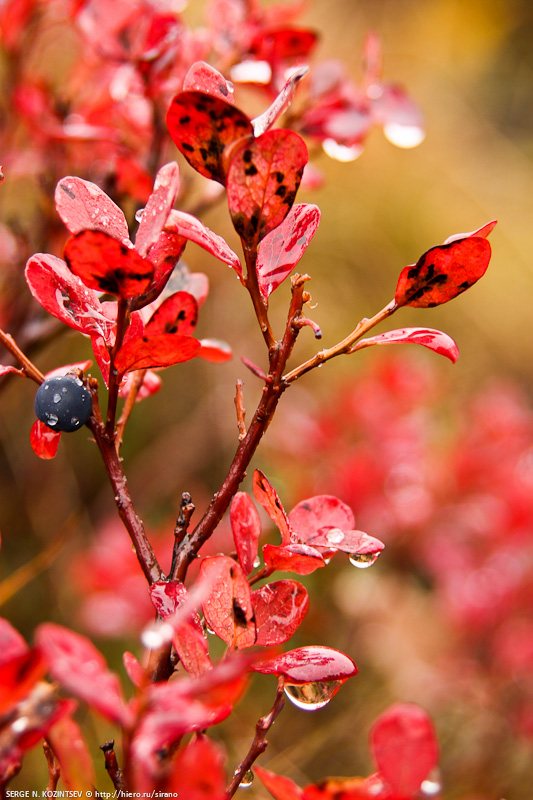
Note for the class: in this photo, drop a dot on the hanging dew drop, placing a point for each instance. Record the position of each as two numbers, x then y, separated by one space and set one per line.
432 786
363 560
257 562
405 136
311 696
52 420
246 780
139 215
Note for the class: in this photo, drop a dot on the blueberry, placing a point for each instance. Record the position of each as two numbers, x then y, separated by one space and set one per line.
63 403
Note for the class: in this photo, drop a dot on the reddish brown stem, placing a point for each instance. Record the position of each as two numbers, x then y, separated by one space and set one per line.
28 368
112 767
122 324
259 743
54 771
241 411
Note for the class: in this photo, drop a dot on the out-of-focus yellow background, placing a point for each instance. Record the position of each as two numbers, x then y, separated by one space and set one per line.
469 66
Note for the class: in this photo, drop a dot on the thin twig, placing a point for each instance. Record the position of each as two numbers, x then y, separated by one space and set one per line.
112 767
259 743
187 508
241 411
54 770
28 368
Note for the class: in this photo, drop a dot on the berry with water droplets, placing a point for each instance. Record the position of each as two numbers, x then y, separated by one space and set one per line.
63 403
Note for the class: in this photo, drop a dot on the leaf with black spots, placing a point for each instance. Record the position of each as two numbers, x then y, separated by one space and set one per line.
204 128
202 77
177 314
443 272
107 265
228 609
281 250
263 179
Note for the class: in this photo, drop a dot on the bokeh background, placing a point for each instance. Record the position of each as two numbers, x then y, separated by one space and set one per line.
455 439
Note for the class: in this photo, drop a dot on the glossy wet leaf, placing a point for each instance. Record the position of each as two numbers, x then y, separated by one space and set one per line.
76 664
265 121
309 516
44 441
228 609
263 178
83 206
202 77
265 494
299 558
352 542
404 746
246 529
279 610
177 314
107 265
155 213
309 664
198 772
443 272
64 296
282 249
204 129
434 340
195 231
158 350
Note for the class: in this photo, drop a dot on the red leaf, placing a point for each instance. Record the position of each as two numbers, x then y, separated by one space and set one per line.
246 529
483 232
83 206
137 674
279 610
18 675
202 77
76 664
309 516
64 296
299 558
164 255
352 542
72 753
345 789
228 608
166 187
215 350
280 787
435 340
44 441
189 638
283 100
281 250
107 265
265 494
195 231
198 771
159 350
309 664
263 178
177 314
443 272
204 128
12 644
405 747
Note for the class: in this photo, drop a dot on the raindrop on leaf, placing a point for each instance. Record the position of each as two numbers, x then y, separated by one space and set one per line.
363 560
311 696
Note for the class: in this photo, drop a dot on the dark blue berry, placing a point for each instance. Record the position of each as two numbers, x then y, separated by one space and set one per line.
63 403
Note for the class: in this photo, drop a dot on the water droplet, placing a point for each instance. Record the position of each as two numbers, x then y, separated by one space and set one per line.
247 779
432 786
56 398
64 389
209 630
405 136
157 635
20 724
335 536
341 152
363 560
74 421
52 420
311 696
139 214
257 562
2 176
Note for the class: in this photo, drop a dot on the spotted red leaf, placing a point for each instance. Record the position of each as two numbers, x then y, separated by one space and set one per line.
263 178
202 77
198 772
279 610
265 494
443 272
309 664
177 314
195 231
204 128
281 250
158 350
164 255
435 340
64 296
299 558
76 664
107 265
83 206
189 638
228 608
44 441
405 747
166 186
246 528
